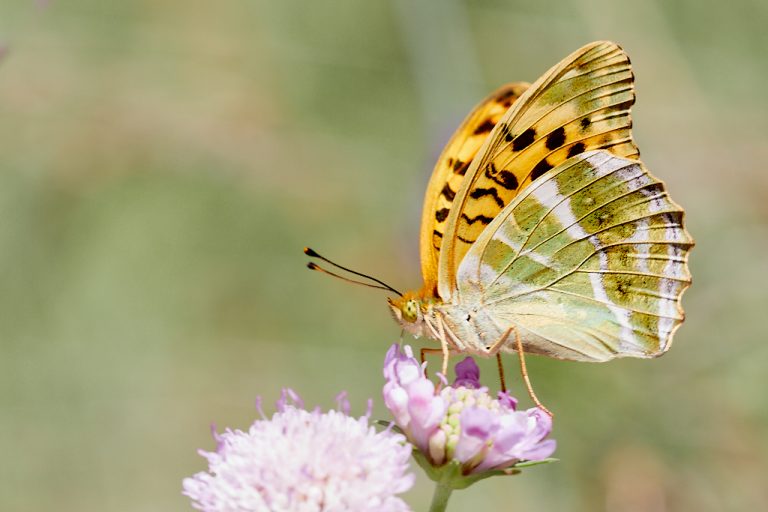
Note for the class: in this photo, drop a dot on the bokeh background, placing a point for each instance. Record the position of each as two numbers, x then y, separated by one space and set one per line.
163 163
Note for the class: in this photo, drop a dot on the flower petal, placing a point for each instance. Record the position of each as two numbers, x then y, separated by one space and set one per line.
396 400
426 410
478 426
507 401
467 374
539 451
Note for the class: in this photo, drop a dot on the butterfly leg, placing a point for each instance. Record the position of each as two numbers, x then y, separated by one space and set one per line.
499 364
495 348
440 335
427 350
524 372
443 346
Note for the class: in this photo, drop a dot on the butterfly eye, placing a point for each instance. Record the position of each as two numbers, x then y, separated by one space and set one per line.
410 311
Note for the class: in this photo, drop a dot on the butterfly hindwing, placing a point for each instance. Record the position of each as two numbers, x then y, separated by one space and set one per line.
579 105
590 262
451 168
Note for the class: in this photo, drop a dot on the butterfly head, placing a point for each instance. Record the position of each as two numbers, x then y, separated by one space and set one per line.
408 310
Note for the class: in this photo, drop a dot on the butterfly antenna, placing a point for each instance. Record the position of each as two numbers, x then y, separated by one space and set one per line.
312 266
313 254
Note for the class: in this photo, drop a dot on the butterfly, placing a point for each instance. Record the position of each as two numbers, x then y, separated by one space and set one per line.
542 227
540 219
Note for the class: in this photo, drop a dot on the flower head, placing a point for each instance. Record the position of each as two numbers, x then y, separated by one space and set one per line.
462 423
305 461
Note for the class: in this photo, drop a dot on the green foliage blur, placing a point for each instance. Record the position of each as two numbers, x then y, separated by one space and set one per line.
162 165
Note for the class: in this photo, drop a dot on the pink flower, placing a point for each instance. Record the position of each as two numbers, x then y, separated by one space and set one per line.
304 461
462 423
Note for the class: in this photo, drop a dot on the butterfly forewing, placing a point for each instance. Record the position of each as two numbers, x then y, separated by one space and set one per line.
590 262
580 105
451 168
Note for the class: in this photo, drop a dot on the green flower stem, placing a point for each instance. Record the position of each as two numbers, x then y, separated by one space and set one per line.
443 490
448 477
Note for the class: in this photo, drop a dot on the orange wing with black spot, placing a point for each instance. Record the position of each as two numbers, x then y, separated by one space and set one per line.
581 104
450 170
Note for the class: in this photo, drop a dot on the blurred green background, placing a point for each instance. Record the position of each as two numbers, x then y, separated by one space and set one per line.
163 164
